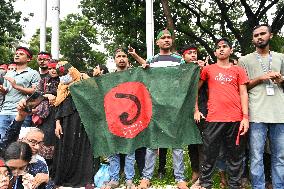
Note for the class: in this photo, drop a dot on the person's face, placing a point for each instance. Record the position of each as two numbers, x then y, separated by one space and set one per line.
165 42
190 56
121 60
223 50
21 57
17 166
4 177
43 60
52 72
2 71
11 68
261 37
35 141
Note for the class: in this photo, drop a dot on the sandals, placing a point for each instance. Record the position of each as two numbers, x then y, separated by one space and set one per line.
110 185
129 185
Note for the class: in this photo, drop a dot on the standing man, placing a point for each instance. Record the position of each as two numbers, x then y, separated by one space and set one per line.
265 69
163 59
189 54
121 61
227 116
17 85
43 59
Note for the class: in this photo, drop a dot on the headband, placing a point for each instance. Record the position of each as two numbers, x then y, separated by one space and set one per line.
46 56
163 32
188 50
25 51
52 65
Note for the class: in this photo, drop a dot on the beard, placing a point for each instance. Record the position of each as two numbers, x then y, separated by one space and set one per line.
44 67
261 45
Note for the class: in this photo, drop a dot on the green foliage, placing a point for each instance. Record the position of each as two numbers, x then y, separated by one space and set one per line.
10 30
199 21
77 38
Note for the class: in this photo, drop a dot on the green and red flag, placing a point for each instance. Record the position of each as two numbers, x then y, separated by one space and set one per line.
126 110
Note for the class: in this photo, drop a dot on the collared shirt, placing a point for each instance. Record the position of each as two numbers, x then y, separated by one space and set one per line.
27 78
264 108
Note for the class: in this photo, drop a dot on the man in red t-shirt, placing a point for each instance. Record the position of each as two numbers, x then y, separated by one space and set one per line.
227 118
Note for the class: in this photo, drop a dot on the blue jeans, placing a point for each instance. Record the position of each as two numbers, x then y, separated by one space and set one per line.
114 166
150 160
258 132
6 120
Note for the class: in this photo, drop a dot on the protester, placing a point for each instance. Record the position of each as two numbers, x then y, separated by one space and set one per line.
4 175
44 114
43 59
121 61
17 85
34 138
26 174
190 55
12 67
3 71
17 157
164 58
227 119
265 69
73 157
99 70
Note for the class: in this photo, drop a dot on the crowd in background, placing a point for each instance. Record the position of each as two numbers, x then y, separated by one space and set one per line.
46 146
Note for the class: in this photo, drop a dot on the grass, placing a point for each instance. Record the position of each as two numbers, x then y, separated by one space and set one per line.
169 177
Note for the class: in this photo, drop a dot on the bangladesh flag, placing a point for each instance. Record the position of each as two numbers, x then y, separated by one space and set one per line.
126 110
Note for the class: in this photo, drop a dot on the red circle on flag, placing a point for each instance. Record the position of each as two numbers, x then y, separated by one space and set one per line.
128 109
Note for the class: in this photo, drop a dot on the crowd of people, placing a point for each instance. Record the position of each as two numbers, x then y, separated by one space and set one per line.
238 111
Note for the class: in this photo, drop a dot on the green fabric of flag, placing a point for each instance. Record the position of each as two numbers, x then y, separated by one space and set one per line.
126 110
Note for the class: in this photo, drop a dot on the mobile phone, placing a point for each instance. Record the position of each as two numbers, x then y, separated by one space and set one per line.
33 101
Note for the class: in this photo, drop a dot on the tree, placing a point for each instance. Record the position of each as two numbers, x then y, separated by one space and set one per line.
199 21
77 38
11 30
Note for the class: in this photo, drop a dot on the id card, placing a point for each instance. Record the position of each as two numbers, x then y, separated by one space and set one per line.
269 90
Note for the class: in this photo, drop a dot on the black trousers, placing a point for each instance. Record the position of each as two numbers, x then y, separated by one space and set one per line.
195 150
214 134
162 160
140 154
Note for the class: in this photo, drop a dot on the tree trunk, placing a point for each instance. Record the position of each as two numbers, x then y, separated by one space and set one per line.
170 22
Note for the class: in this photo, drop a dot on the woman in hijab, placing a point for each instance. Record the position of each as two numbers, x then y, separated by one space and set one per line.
73 158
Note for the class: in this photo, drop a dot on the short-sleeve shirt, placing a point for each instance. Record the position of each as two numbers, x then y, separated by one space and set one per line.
224 102
165 60
264 108
27 78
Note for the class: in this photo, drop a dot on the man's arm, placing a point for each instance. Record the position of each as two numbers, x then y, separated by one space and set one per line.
244 103
14 129
22 89
138 58
274 76
197 113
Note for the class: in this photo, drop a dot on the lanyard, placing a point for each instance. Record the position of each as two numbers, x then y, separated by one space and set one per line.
265 68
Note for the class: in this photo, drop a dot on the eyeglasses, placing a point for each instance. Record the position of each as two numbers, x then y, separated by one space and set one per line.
34 142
